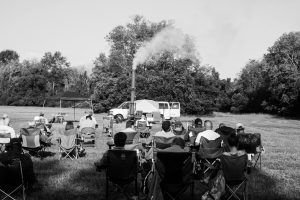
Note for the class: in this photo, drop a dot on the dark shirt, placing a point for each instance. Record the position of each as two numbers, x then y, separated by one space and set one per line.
103 162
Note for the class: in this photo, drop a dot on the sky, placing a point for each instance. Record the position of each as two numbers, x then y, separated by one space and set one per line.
227 33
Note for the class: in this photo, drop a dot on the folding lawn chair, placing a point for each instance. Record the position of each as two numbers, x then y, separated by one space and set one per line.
141 126
176 172
108 123
4 140
162 142
156 117
122 170
68 147
234 168
31 144
209 152
130 136
12 180
88 136
251 142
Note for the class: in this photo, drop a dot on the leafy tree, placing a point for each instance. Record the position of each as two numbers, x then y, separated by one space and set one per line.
8 56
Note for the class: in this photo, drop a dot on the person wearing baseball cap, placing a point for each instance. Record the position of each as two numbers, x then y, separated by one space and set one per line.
178 128
5 121
240 128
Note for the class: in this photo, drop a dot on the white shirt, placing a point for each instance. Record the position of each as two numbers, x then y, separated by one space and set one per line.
208 134
84 118
86 123
7 129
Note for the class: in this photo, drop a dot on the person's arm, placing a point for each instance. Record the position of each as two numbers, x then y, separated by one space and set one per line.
102 163
197 141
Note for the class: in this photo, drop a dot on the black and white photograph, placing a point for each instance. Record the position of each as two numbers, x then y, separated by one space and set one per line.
149 100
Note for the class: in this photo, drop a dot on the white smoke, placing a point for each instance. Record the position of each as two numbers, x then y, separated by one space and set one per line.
169 39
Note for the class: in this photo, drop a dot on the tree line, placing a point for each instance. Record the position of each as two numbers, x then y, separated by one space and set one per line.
270 85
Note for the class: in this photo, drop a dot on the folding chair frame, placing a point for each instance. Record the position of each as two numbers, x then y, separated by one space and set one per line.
68 151
233 191
21 186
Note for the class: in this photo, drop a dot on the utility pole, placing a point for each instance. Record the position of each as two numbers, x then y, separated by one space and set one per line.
131 109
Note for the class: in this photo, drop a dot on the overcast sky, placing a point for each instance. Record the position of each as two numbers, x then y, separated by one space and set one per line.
227 32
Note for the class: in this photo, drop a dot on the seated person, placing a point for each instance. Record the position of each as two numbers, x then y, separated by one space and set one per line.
209 134
233 146
178 145
193 131
7 129
225 132
14 150
178 129
166 130
88 122
142 122
240 129
90 114
42 119
119 140
5 121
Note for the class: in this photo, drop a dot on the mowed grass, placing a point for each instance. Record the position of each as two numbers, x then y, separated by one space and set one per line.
66 179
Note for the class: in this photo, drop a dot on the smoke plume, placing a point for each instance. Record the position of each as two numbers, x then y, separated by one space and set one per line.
169 39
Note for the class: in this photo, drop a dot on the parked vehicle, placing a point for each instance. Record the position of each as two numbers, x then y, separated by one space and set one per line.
167 110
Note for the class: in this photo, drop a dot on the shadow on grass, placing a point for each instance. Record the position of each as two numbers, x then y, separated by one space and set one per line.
262 186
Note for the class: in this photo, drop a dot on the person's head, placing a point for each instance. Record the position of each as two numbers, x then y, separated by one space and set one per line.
198 123
69 125
166 126
143 117
221 125
15 146
129 124
5 116
240 129
41 114
232 141
90 113
178 126
120 139
178 141
36 119
208 125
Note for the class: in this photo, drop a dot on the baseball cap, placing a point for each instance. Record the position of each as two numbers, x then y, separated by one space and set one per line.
239 126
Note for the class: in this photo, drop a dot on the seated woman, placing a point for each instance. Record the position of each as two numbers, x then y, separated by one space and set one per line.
233 141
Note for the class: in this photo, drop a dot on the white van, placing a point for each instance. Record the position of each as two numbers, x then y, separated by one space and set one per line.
169 110
166 109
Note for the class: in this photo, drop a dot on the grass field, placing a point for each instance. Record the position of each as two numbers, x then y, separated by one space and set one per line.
66 179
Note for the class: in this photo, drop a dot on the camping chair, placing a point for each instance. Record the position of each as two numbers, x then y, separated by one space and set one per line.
14 182
209 152
141 125
108 122
88 136
122 170
156 116
31 144
130 137
176 172
4 140
68 147
234 168
250 142
162 142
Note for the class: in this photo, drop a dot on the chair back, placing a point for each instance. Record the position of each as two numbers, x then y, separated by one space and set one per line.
249 142
141 125
234 167
130 136
88 131
122 165
5 138
210 148
31 141
162 142
31 131
68 141
174 167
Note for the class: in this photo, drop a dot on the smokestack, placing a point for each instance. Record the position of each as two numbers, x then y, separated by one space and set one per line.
131 109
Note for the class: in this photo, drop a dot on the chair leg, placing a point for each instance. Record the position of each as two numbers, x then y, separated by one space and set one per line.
107 189
136 187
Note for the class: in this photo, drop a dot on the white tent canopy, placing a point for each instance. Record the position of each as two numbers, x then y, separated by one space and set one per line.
147 106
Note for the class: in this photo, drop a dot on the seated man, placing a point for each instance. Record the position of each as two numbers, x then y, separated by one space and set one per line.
178 145
7 129
88 122
5 121
43 119
14 151
166 130
179 129
142 123
90 114
119 140
193 131
209 134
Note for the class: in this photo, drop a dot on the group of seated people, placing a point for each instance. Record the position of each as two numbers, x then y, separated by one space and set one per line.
182 140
